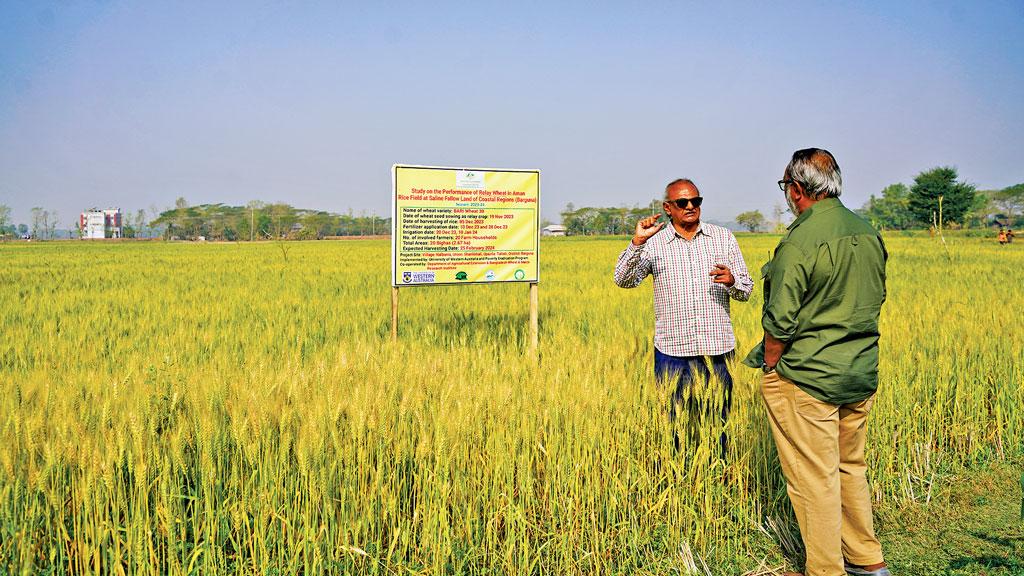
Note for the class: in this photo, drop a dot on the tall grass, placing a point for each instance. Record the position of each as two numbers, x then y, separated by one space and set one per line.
178 408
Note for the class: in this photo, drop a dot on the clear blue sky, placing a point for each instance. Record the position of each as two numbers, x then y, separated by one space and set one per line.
134 104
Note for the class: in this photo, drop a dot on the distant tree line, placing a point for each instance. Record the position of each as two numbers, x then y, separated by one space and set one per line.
589 221
44 223
256 220
260 221
917 206
901 207
898 207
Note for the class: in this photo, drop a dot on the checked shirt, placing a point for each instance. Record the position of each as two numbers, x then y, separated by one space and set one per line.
691 313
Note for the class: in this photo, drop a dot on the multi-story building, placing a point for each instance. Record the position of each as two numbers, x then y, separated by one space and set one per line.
100 223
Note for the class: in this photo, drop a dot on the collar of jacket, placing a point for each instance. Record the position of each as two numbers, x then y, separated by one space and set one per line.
823 205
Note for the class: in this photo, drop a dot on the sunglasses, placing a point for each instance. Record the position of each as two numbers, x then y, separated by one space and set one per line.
683 202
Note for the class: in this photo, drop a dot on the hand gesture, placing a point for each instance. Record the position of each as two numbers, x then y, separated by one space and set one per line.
646 228
721 274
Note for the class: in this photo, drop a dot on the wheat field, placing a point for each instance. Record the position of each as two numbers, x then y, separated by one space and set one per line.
175 408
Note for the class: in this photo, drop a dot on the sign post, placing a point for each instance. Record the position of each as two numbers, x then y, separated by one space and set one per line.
465 226
394 313
534 332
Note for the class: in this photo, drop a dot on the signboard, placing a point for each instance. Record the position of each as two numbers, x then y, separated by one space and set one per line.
464 226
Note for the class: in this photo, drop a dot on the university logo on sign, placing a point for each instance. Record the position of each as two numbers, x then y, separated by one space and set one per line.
469 179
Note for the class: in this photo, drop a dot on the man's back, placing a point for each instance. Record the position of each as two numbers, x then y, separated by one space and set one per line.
823 294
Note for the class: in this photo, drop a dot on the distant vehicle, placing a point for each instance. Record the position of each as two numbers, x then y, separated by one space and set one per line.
26 236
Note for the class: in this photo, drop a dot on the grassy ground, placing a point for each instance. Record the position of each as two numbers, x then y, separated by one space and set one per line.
972 526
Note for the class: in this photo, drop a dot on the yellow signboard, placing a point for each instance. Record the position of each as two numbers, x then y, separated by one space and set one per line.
464 225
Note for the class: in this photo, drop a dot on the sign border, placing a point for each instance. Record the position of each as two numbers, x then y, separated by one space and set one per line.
394 226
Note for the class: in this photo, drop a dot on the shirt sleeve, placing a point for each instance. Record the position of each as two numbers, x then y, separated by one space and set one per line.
632 267
787 281
742 284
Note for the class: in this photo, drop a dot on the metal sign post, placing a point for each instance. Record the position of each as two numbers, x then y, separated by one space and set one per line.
534 313
394 313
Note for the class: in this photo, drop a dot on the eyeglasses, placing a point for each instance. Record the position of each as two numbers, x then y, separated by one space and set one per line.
683 202
783 184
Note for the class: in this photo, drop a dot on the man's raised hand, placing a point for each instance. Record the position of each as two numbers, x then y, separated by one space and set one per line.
646 228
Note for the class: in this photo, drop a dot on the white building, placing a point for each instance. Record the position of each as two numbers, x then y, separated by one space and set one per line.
553 230
99 224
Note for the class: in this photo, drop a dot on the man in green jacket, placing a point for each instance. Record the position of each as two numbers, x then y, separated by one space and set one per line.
823 291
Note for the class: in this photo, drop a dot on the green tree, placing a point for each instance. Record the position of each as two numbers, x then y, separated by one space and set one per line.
957 197
283 217
570 220
892 210
983 209
319 224
38 221
5 220
247 227
751 220
51 223
140 221
778 212
1010 202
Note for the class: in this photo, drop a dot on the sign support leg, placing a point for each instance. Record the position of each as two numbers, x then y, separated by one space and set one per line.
394 313
534 333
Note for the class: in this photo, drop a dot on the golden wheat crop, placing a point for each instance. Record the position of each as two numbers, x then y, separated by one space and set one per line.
237 408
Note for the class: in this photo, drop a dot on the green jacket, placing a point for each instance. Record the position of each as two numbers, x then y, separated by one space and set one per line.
823 292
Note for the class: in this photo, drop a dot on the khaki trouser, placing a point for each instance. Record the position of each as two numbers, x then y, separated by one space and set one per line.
821 447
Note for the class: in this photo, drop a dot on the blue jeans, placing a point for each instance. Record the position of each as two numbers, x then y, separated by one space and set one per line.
683 370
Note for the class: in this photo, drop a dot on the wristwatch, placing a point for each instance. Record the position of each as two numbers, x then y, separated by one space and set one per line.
766 368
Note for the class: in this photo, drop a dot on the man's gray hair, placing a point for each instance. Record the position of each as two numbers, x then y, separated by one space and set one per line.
678 181
817 171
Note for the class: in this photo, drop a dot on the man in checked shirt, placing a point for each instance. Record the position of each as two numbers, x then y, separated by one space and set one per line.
697 267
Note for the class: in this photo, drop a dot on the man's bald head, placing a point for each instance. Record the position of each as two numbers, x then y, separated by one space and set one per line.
681 184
